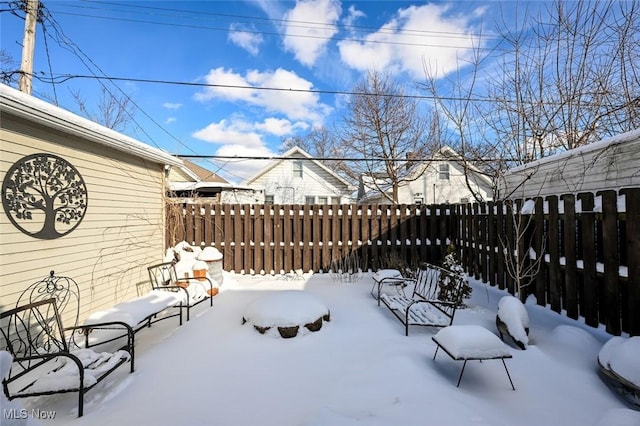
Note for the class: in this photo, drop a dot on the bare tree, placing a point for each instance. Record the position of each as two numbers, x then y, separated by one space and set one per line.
111 111
385 129
8 65
321 144
566 77
522 258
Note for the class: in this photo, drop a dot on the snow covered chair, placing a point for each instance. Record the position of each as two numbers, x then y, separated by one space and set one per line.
436 295
45 361
163 277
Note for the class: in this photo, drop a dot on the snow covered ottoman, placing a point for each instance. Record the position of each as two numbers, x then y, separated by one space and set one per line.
287 311
471 342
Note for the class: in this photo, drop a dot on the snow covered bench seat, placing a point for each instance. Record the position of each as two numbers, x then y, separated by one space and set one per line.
471 342
429 304
44 361
134 315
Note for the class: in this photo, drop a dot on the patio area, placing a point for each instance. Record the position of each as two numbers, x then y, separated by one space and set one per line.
359 370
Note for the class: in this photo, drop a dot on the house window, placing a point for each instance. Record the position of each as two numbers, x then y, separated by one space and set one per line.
309 199
323 200
268 199
443 172
464 200
418 198
297 169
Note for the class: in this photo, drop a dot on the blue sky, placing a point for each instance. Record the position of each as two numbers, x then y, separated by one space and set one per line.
309 46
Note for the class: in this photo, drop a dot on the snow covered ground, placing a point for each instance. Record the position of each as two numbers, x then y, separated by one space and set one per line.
359 369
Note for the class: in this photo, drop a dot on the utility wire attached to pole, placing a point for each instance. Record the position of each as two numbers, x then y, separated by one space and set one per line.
28 45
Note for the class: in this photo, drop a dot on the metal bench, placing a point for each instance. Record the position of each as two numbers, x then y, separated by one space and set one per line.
46 361
163 277
429 303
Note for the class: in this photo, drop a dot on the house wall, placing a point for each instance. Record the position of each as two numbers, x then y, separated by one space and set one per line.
287 189
121 233
176 174
438 191
430 189
612 163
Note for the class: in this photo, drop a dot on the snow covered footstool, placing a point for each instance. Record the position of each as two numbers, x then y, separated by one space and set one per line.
287 311
471 342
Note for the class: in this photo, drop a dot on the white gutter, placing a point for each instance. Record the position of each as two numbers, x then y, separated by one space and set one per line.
22 105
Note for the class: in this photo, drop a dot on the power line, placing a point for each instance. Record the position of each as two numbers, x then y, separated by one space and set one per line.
173 24
328 159
61 78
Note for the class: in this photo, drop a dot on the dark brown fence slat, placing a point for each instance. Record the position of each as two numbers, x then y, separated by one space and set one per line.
610 255
510 244
632 212
267 236
555 292
539 246
570 269
500 266
589 268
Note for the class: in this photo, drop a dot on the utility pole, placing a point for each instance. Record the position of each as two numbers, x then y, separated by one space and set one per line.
28 45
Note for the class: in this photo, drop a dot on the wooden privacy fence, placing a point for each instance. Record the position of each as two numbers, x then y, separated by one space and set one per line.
284 238
589 244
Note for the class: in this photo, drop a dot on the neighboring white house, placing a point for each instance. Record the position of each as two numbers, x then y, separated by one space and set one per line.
191 182
611 163
440 181
296 178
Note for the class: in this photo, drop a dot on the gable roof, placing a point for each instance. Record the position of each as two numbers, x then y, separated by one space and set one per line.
295 152
26 106
201 174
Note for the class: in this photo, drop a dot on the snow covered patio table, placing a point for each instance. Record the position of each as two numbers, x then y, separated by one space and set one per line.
471 342
286 310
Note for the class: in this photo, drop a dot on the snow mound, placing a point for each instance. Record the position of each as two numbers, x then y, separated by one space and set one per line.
512 312
620 355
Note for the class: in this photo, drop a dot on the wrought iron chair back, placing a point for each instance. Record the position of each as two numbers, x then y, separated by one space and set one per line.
64 290
162 275
432 283
32 330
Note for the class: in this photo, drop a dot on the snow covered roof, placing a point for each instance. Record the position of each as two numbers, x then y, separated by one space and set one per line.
601 144
46 114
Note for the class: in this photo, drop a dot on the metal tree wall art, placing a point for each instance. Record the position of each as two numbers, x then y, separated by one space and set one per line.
44 196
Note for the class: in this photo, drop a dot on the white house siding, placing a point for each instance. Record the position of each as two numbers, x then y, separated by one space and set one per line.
438 191
280 182
611 163
122 231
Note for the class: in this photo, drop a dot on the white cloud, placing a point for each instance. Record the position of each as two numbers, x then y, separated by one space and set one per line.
235 132
170 120
309 27
170 105
239 132
280 126
414 34
353 15
293 100
245 37
240 170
